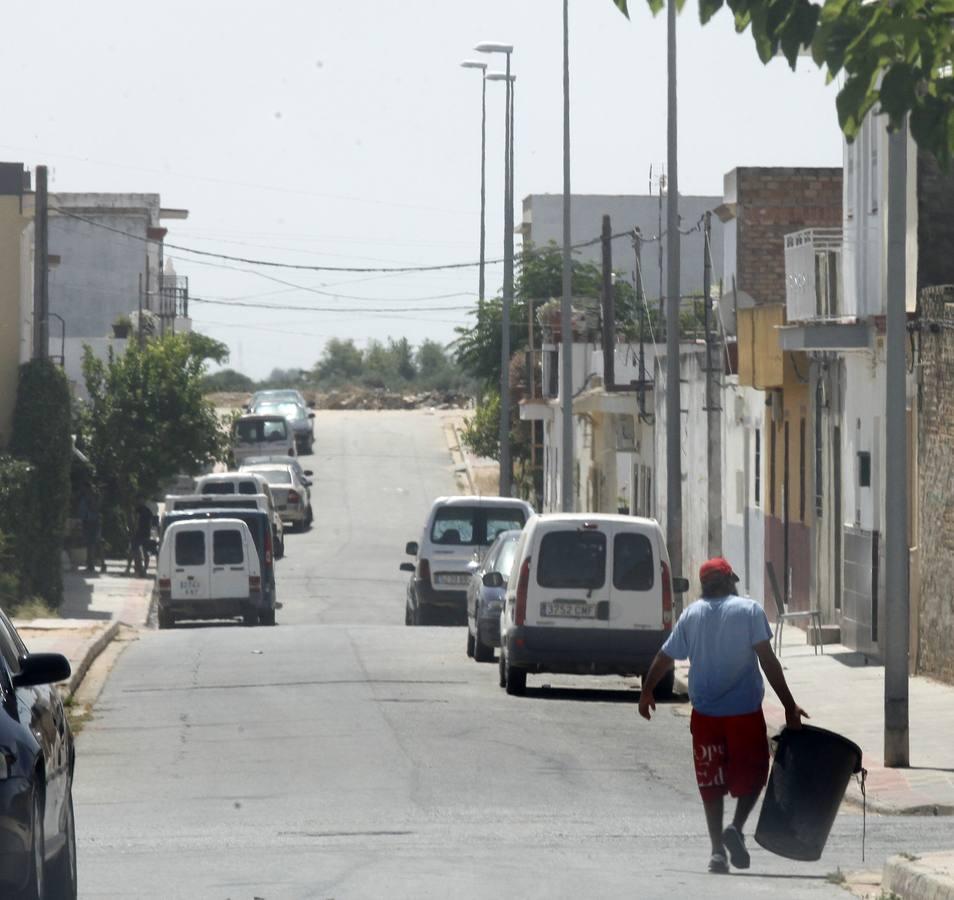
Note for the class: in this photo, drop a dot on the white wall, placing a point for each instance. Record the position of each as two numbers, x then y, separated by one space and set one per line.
74 350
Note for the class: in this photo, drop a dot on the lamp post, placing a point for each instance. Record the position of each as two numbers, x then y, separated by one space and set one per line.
567 499
506 465
482 66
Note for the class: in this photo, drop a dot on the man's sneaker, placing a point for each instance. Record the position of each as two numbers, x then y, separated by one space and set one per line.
718 865
735 844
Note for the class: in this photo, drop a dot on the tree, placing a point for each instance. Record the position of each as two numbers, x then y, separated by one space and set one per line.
897 54
147 419
340 361
227 380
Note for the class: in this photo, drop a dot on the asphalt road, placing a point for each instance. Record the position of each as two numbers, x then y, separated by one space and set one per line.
341 754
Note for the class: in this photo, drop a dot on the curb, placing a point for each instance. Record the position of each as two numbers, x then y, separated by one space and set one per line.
458 457
92 651
916 878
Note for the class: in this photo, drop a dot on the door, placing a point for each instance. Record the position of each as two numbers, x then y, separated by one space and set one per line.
636 588
190 563
230 564
568 583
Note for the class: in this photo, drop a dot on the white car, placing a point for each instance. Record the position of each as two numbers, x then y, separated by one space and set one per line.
178 502
260 435
588 594
210 570
457 534
291 494
245 483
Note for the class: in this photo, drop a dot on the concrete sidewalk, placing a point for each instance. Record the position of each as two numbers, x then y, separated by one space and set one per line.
480 476
93 608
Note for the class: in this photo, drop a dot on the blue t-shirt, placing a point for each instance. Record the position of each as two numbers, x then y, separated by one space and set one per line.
718 637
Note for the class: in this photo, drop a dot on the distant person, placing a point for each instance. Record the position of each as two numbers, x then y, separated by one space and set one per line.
725 638
91 522
140 539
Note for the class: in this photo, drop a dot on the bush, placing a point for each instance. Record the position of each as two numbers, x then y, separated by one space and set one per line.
41 437
16 528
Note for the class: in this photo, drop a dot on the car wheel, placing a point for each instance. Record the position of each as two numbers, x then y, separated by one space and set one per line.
408 614
309 518
516 680
35 888
482 653
266 617
470 644
502 670
165 618
664 687
250 618
61 885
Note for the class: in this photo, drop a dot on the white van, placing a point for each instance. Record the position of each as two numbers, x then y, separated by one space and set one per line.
210 570
589 594
264 435
457 534
213 500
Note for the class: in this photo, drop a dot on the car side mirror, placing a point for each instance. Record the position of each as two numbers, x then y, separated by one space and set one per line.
309 472
493 580
410 548
42 668
311 415
407 567
680 585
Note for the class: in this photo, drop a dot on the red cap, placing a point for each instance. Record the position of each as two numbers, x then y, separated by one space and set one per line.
716 568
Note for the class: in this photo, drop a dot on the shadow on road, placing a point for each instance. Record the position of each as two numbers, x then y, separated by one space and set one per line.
597 695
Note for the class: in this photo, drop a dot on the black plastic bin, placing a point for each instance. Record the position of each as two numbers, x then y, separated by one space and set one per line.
808 780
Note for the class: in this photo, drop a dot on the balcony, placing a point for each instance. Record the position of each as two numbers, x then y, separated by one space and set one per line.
173 297
813 275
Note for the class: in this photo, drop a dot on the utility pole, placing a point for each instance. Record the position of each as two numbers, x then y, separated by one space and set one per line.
506 465
41 268
567 500
713 403
673 391
483 190
640 306
609 308
139 320
896 747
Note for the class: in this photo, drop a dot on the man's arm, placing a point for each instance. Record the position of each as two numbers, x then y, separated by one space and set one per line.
776 677
660 666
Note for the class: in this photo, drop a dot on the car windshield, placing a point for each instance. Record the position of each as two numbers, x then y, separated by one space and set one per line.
290 410
277 476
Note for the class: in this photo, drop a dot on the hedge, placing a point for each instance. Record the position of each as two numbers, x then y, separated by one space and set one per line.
41 438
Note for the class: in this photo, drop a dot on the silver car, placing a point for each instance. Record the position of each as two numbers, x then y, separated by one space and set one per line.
299 417
485 596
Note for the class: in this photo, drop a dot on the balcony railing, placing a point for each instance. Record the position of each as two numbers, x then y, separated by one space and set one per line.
813 288
173 296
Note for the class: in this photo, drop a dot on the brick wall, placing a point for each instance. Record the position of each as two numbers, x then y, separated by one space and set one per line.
935 223
936 485
773 202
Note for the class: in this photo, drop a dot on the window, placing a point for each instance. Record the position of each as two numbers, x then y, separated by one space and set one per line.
190 548
864 468
801 470
275 430
758 466
772 449
248 487
633 568
10 647
278 476
227 547
454 525
572 559
218 487
504 561
502 520
819 457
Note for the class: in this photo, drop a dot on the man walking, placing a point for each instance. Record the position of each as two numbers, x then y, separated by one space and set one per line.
725 638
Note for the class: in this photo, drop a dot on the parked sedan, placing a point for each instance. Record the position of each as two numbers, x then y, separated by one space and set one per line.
485 596
292 496
37 830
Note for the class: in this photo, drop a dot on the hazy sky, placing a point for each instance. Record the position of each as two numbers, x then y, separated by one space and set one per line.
345 134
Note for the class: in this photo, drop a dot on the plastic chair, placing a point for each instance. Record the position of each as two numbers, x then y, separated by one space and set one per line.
783 614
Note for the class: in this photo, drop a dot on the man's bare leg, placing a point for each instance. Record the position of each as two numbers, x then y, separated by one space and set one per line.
714 812
744 806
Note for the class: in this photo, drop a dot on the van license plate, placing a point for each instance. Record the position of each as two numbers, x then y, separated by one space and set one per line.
451 578
568 609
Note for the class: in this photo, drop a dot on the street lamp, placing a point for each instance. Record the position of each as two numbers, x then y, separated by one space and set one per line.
506 466
482 66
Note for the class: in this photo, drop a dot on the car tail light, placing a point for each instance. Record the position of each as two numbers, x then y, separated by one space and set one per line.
523 585
254 583
666 598
424 571
294 497
165 585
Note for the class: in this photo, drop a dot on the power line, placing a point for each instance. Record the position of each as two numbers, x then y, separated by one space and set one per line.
329 309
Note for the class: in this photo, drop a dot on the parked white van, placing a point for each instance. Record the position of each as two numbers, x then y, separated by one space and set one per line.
589 594
263 435
262 501
457 534
210 570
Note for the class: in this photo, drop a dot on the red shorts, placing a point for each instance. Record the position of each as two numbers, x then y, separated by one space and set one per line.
731 754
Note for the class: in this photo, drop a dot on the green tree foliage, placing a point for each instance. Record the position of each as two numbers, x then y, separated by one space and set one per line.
896 54
341 361
41 437
226 380
482 432
147 419
20 528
